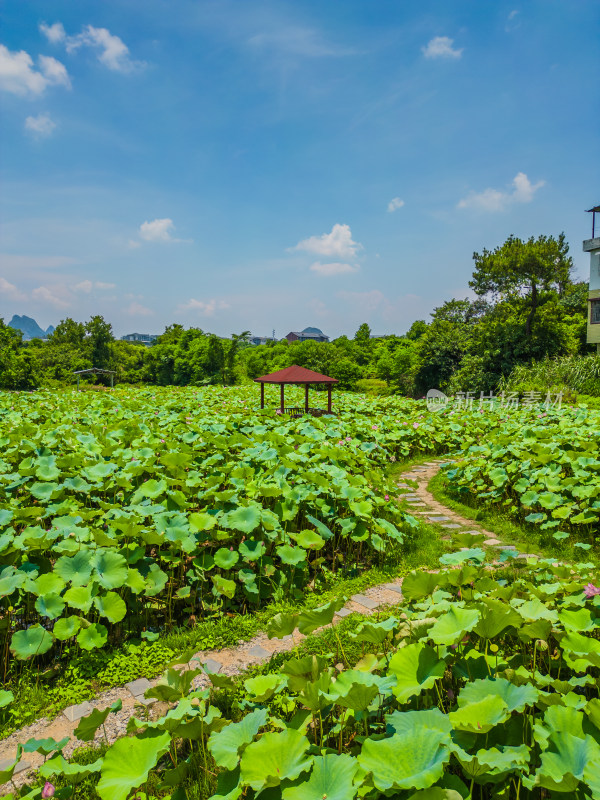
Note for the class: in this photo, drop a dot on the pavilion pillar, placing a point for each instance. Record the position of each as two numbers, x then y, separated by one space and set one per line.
262 395
329 398
282 399
306 385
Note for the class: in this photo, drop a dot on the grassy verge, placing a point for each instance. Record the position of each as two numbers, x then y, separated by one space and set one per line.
527 538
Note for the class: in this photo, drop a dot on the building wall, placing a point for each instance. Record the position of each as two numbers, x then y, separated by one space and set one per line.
592 246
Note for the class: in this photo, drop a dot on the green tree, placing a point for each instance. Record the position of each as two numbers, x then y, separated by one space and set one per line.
99 337
519 270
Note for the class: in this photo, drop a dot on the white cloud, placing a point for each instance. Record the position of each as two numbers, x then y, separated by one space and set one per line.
54 72
159 230
209 307
138 310
54 33
40 126
44 295
10 290
337 244
441 47
496 200
394 204
18 75
512 22
87 286
334 268
112 51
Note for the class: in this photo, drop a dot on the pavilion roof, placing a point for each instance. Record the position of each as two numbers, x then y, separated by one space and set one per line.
295 374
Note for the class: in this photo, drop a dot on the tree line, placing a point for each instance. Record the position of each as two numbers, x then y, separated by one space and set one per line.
528 307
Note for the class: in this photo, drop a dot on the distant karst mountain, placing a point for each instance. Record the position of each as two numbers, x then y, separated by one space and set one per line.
29 327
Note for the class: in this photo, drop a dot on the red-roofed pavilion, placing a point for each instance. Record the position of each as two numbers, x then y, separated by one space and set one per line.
297 375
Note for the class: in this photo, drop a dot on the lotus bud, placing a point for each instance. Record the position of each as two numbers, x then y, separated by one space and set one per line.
48 790
541 644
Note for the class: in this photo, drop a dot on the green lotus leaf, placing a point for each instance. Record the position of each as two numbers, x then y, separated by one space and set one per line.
452 626
6 698
580 620
49 583
413 760
273 758
436 793
496 616
149 489
302 670
11 580
86 730
201 521
583 647
77 484
480 717
323 530
407 721
534 609
416 667
75 569
515 697
45 491
417 585
96 635
375 632
309 540
355 689
471 554
227 744
5 517
252 549
128 762
35 641
45 746
263 687
66 627
155 581
282 625
311 619
568 760
291 555
80 597
110 569
111 606
332 777
222 586
74 773
98 472
50 605
226 558
244 519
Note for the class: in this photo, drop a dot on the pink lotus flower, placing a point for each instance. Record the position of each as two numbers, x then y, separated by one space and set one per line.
48 790
387 497
415 425
374 427
348 438
591 591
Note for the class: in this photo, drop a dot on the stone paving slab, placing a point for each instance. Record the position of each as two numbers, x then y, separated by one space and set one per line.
258 652
6 763
210 665
393 587
474 533
145 701
73 713
343 612
507 547
136 688
492 542
365 601
451 526
438 518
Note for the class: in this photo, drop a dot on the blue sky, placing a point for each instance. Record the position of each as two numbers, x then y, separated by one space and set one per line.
241 164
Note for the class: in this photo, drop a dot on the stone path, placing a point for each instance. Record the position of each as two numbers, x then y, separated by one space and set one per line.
234 660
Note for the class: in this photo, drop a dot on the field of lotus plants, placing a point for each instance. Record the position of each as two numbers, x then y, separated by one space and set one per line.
132 512
129 512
